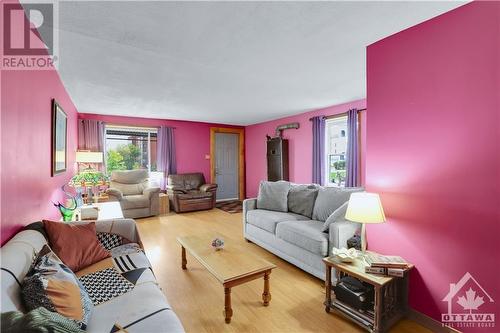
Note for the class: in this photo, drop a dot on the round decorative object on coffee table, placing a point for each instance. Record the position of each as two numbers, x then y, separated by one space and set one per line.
218 244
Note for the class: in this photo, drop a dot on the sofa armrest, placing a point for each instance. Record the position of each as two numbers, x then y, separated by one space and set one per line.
150 191
114 192
341 231
173 189
208 187
248 204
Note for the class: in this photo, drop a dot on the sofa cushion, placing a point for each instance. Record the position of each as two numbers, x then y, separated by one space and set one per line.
76 244
337 215
273 196
304 234
329 199
52 285
267 219
144 309
135 201
301 199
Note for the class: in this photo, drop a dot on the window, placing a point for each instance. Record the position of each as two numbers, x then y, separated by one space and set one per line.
336 147
129 148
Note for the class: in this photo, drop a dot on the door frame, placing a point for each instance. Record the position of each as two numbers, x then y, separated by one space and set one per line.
241 156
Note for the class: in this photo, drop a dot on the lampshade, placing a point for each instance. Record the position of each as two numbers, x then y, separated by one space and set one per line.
89 157
365 208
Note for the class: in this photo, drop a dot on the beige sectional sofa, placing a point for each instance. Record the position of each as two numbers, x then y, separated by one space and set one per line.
142 308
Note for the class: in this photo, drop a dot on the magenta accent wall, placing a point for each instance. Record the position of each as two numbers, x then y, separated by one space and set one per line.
300 145
433 151
192 139
28 189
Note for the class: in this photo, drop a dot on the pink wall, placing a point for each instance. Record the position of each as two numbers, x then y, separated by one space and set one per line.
192 139
432 151
300 145
28 189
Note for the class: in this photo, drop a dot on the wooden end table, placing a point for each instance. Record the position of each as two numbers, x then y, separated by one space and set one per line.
390 295
231 266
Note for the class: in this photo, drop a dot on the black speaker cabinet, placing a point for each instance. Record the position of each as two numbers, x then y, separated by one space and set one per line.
277 159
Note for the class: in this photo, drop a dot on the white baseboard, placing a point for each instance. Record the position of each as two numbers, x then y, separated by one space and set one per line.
429 323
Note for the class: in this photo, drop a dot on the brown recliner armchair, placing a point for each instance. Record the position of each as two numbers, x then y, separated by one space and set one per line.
188 192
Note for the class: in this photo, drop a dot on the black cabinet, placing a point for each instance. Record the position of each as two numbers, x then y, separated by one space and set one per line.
277 159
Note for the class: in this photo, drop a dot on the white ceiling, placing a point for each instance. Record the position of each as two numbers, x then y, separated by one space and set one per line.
227 62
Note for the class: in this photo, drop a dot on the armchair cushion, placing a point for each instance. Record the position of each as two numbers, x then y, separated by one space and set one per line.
129 189
194 195
208 187
115 192
135 201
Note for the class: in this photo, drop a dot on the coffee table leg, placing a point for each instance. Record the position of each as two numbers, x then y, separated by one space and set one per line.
228 312
266 295
184 261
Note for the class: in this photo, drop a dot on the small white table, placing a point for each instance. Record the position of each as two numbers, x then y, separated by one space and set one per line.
105 211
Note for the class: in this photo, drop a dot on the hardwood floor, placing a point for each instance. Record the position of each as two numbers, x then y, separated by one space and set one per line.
198 299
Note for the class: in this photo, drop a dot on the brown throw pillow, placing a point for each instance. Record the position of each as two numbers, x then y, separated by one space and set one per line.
76 245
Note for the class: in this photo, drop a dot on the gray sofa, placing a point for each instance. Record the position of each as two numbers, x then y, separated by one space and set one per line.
299 223
132 190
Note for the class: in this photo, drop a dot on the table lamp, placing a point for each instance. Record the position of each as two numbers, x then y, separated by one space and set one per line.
365 208
89 158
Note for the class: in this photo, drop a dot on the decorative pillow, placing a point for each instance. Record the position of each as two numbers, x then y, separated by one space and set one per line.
76 244
301 199
337 215
329 199
108 240
52 285
273 196
39 320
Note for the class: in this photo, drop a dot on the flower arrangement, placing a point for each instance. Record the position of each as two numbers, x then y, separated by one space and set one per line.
218 244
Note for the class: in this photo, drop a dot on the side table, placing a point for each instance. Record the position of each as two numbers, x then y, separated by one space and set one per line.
164 204
390 295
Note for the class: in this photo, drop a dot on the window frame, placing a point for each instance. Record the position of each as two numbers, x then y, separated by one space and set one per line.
327 148
138 129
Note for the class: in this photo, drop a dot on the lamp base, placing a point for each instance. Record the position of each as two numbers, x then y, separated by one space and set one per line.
363 239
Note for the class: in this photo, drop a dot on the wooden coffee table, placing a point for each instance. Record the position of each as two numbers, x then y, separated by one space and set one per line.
231 266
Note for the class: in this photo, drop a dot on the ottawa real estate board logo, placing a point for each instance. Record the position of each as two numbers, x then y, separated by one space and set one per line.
30 35
466 301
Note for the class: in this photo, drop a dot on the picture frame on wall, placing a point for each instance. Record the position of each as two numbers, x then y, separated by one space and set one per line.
59 138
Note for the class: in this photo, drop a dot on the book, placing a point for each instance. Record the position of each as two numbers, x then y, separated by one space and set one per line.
377 260
375 270
397 272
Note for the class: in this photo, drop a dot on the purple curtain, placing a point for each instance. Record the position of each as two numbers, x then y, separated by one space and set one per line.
166 153
91 134
318 151
352 167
